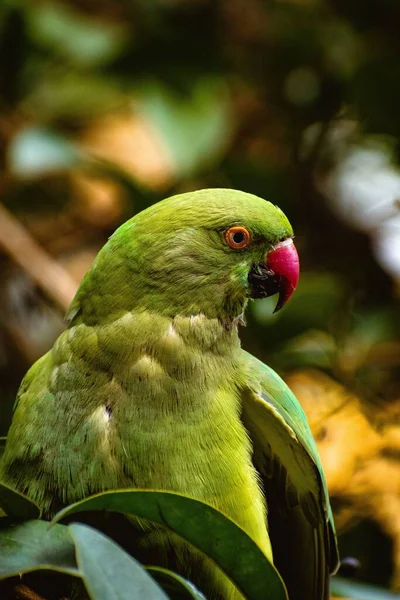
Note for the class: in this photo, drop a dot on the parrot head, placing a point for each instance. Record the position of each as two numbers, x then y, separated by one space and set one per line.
205 252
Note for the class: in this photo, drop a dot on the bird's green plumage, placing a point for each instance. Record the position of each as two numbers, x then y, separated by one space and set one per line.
149 386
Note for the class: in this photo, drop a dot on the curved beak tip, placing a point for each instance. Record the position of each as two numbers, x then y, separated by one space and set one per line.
283 262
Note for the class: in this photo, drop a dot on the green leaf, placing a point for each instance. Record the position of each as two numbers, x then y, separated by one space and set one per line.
32 545
360 591
3 440
202 525
17 505
177 587
196 127
71 34
108 571
74 96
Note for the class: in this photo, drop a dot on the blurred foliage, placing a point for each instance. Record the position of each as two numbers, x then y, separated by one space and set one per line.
109 106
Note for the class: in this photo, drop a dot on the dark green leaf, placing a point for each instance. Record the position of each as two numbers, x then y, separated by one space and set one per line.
3 440
17 505
108 571
177 587
360 591
202 525
32 545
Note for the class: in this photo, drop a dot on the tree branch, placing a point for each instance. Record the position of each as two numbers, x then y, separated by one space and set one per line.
49 275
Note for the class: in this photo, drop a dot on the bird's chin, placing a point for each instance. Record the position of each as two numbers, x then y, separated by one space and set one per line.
278 275
264 283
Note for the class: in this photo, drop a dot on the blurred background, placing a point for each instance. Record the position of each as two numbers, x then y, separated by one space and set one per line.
107 106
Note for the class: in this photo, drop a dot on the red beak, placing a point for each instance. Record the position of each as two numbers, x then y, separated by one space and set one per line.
283 264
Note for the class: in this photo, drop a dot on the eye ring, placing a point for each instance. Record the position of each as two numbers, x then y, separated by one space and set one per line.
237 237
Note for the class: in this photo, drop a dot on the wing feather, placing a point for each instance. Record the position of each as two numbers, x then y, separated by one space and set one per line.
285 455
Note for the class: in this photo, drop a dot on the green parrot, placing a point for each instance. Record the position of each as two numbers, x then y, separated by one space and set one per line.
149 387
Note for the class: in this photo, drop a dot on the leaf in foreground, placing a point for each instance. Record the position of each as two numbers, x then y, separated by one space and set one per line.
202 525
3 440
108 571
17 505
177 587
32 545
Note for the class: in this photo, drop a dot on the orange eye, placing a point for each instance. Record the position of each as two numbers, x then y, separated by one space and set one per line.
237 238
